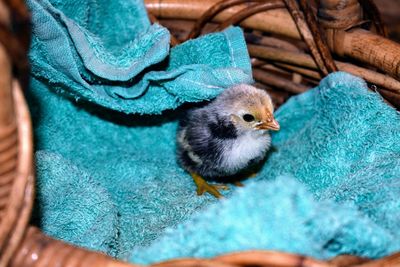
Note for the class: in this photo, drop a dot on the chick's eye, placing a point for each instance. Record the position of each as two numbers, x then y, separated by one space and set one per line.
248 117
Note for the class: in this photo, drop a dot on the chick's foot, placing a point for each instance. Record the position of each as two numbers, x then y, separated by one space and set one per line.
203 186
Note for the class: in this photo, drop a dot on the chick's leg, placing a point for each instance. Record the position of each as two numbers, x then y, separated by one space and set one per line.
203 186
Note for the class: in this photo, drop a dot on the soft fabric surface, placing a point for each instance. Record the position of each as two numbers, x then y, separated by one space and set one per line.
110 182
97 168
106 181
337 164
107 52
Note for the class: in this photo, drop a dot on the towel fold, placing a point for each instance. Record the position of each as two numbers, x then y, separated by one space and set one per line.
108 53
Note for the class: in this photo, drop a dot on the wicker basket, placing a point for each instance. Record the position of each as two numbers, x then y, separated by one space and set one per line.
291 51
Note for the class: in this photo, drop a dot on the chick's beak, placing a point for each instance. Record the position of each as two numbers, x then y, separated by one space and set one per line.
269 125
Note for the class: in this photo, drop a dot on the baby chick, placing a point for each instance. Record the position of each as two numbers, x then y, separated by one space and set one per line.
226 136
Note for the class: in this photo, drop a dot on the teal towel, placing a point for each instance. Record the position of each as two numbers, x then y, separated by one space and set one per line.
106 58
106 52
337 164
76 219
275 215
110 181
331 186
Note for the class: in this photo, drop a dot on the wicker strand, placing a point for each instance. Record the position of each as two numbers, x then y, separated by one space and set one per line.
250 11
303 71
347 260
270 258
318 36
212 12
339 15
304 60
17 41
270 41
389 261
8 137
306 34
371 9
277 82
21 21
39 250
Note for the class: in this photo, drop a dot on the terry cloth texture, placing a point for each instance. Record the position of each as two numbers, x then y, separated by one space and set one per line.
106 52
110 182
337 159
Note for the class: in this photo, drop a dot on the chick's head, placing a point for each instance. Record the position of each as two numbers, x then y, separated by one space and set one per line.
249 108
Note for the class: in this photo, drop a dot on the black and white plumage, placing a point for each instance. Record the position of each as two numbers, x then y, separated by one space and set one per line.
227 135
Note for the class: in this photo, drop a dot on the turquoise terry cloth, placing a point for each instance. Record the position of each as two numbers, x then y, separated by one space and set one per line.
110 182
337 167
106 52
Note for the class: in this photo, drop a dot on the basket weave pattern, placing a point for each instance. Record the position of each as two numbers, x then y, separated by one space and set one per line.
337 26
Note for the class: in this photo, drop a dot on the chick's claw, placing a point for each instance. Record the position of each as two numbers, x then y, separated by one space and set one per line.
201 189
221 186
203 186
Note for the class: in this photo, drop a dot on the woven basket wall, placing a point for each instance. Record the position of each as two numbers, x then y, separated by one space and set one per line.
293 44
